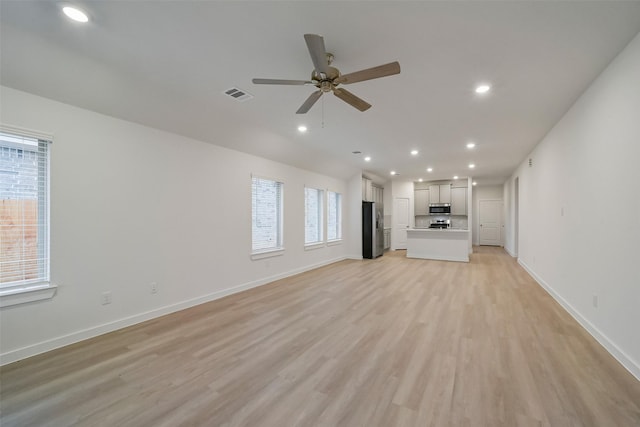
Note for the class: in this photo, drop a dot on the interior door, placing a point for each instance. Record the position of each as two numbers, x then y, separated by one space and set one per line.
489 214
401 222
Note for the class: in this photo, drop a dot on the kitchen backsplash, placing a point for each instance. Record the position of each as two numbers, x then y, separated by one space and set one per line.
457 221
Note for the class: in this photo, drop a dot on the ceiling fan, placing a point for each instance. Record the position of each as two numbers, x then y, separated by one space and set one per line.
327 78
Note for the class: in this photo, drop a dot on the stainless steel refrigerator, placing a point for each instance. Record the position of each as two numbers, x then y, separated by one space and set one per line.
372 230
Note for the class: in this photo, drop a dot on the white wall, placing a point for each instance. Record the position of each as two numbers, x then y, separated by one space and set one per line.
131 205
483 192
579 209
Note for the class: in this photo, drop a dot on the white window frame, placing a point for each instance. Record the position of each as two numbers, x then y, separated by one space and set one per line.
41 288
278 248
339 237
320 228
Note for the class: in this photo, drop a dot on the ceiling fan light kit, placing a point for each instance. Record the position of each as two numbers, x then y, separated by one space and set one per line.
327 78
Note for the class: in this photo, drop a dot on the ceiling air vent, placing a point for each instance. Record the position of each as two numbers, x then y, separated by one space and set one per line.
530 162
238 94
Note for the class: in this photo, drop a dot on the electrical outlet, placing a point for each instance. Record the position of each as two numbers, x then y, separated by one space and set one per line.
105 298
595 300
154 287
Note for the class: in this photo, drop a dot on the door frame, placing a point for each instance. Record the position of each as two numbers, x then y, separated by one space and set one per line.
394 230
500 220
516 216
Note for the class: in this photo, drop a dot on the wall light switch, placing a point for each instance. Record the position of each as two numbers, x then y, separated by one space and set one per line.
105 298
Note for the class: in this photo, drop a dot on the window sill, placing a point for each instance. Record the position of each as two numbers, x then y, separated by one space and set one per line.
334 242
312 246
22 294
267 253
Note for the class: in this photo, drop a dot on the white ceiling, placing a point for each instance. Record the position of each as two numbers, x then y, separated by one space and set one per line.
166 64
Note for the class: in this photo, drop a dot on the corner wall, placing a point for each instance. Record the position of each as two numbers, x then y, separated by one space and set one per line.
579 205
131 205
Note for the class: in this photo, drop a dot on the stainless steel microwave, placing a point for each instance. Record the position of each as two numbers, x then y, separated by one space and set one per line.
440 209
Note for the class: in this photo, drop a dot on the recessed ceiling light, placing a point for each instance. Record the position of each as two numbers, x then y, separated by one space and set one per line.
474 183
420 180
471 166
455 177
393 172
367 159
75 14
429 169
302 128
471 145
414 152
483 88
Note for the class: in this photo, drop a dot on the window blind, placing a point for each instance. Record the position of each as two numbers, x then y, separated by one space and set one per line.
313 215
266 214
24 210
334 216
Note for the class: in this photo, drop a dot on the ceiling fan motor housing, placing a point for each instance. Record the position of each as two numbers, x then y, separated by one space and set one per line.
332 74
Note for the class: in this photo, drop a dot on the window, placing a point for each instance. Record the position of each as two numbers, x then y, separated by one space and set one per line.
313 206
24 215
334 216
266 215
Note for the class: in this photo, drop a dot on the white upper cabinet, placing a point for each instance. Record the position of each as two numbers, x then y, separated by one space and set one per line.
370 192
440 193
367 190
378 195
434 194
421 202
459 201
445 193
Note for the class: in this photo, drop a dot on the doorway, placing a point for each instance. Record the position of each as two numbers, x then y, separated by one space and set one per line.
489 215
516 219
400 222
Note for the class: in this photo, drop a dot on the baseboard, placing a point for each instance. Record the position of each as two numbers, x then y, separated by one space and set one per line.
512 253
626 361
52 344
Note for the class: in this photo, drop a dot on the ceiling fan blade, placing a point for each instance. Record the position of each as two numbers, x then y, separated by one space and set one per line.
309 102
351 99
281 82
315 44
370 73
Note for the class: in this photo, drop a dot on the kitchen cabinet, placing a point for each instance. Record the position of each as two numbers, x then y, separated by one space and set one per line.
367 190
387 238
440 193
421 202
376 194
371 192
459 201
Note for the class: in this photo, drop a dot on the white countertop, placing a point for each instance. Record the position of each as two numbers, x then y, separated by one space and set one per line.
445 230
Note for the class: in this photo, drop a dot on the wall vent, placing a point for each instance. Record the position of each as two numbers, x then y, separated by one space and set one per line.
238 94
530 162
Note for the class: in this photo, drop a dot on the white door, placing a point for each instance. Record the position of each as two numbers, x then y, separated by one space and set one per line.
401 222
490 224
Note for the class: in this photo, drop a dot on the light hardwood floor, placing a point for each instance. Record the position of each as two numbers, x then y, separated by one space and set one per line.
385 342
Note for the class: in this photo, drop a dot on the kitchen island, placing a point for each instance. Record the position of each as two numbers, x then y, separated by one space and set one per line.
438 244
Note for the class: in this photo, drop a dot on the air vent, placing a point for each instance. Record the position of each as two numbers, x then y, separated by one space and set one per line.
238 94
530 162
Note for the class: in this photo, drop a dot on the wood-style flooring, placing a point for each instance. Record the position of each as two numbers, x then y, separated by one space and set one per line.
385 342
